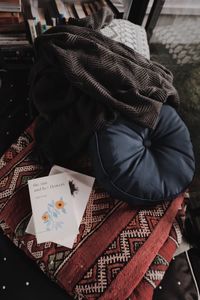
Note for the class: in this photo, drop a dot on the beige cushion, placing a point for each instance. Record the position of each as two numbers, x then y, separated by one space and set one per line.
128 33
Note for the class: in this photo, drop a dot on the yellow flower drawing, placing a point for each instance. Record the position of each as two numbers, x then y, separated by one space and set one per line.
59 204
45 217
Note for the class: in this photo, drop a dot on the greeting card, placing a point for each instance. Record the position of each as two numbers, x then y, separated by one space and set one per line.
58 203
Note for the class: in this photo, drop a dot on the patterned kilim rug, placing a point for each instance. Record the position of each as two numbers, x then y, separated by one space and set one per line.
120 253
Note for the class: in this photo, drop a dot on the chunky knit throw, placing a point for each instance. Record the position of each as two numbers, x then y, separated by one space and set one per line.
82 80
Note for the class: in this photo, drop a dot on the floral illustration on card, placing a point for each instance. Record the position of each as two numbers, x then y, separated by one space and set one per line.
52 216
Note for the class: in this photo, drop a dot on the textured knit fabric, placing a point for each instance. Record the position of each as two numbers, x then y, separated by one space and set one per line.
130 34
82 79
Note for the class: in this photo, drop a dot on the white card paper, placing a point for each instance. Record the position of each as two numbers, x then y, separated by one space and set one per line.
85 185
80 187
53 211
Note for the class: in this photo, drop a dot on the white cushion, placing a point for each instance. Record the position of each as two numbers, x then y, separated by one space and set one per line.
129 34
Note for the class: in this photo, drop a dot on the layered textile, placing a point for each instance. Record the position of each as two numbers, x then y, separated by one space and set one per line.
22 278
119 252
182 280
82 80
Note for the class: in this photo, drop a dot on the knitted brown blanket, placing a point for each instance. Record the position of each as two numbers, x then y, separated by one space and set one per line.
82 80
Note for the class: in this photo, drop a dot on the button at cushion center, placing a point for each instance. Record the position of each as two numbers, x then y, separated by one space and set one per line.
147 143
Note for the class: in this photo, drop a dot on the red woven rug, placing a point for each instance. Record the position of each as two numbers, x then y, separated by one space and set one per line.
120 253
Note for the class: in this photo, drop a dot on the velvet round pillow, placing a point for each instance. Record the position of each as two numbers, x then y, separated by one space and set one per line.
141 165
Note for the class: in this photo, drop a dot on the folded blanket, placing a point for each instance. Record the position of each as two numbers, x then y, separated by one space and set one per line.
119 252
82 79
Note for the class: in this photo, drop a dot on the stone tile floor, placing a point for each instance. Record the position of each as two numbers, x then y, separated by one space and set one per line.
183 59
181 39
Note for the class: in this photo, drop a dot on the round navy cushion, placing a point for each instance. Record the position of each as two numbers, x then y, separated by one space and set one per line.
141 165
